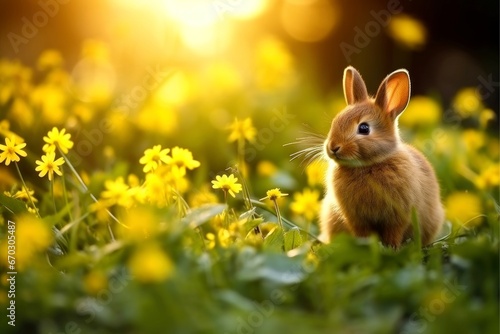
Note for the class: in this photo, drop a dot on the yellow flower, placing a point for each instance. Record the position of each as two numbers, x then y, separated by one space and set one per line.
467 102
150 264
57 138
422 111
242 130
157 192
5 131
224 237
227 184
182 159
274 195
49 165
408 31
153 157
315 172
101 210
117 192
275 65
473 139
49 59
51 100
202 197
141 223
11 151
223 78
210 240
462 207
486 116
266 168
157 118
306 203
33 237
94 282
27 197
489 178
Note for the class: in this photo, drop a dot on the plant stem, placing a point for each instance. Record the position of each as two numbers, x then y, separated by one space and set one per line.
84 186
26 189
278 215
52 193
65 194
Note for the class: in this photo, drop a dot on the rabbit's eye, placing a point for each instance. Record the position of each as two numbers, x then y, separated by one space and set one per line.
363 129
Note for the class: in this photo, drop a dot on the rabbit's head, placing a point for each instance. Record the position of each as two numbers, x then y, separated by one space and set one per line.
366 131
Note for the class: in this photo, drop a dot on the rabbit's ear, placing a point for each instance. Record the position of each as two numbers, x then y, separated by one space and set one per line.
354 86
393 94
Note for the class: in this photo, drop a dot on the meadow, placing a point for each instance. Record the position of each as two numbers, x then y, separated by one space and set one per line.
174 205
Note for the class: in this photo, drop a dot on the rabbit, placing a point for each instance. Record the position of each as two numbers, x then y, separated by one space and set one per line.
374 180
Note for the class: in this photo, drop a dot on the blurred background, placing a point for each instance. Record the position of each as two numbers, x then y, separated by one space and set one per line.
173 67
444 46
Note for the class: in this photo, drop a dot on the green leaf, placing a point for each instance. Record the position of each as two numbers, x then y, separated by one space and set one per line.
293 239
13 205
201 215
251 224
274 240
275 267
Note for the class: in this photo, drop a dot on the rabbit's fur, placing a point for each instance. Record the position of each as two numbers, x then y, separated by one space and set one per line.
374 179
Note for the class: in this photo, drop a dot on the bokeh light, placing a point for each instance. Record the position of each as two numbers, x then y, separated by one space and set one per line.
309 20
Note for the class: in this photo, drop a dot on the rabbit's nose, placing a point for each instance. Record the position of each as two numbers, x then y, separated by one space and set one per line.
333 150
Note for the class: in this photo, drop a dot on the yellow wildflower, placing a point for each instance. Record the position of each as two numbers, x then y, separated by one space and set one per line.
227 184
182 159
101 210
408 31
224 237
421 111
275 65
274 194
153 157
141 223
473 139
150 264
315 172
467 102
489 178
117 192
266 168
157 192
33 237
49 165
157 118
94 282
210 240
54 138
202 197
5 131
49 59
486 116
462 207
27 197
306 204
11 151
242 130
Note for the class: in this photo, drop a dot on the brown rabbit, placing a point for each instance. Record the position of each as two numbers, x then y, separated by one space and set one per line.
374 179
